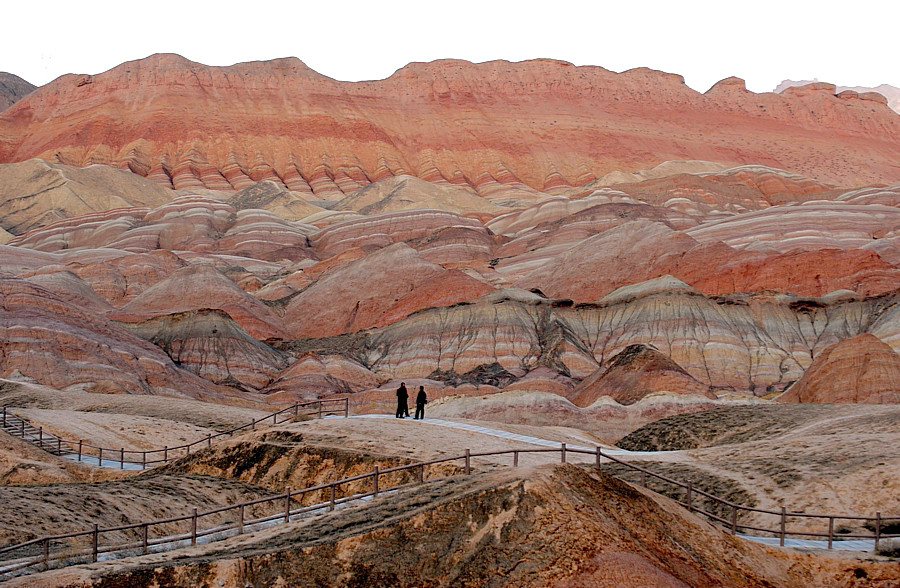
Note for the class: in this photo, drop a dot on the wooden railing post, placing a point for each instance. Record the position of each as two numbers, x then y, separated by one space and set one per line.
783 517
287 505
241 520
100 458
643 479
830 531
320 409
877 530
346 407
143 460
209 441
165 454
58 446
274 418
468 464
331 498
421 473
599 454
41 437
296 409
516 458
563 454
252 424
734 519
376 480
144 538
46 546
122 459
94 542
194 528
80 442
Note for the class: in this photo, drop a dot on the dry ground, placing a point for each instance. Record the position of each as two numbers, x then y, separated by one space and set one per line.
808 458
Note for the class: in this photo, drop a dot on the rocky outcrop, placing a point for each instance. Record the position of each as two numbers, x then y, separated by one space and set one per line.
202 287
61 345
410 193
634 373
36 193
861 369
564 526
505 130
314 376
12 89
884 93
274 197
381 230
754 343
210 344
388 284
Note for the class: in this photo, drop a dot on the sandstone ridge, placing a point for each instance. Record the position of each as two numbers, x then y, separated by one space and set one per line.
447 122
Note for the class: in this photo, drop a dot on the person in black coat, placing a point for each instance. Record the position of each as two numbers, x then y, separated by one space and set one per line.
421 399
402 405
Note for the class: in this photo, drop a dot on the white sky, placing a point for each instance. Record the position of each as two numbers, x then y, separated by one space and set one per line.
762 42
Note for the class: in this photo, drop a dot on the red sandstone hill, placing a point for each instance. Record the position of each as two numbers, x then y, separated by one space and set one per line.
504 129
861 369
635 372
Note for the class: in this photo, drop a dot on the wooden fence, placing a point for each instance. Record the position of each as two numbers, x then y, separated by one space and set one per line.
81 450
220 523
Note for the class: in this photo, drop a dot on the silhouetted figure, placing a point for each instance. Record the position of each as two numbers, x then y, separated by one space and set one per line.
421 400
402 405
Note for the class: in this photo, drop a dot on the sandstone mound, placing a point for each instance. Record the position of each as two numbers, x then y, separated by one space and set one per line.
12 89
410 193
275 198
891 93
34 193
210 344
202 287
316 376
61 345
393 281
381 230
860 369
636 372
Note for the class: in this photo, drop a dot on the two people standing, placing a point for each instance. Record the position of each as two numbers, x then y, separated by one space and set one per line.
403 405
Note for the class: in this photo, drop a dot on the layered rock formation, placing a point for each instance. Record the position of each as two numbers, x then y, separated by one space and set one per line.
62 345
564 526
12 89
416 227
891 93
505 130
634 373
760 343
36 193
861 369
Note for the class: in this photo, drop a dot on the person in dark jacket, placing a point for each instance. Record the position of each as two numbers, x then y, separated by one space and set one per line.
402 405
421 399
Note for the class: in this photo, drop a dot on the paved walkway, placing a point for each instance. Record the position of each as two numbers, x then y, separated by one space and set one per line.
843 545
515 436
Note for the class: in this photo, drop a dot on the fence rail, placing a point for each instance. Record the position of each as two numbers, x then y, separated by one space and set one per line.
143 459
42 551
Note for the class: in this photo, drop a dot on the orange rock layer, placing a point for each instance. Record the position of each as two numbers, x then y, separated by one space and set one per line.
505 130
